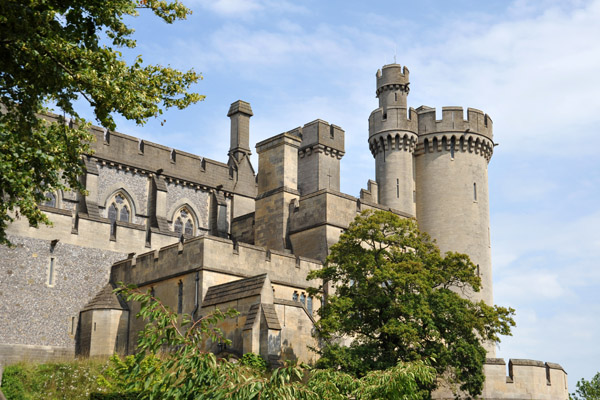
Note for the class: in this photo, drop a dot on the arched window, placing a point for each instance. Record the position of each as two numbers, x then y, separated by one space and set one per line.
119 208
295 296
183 222
309 304
302 298
50 199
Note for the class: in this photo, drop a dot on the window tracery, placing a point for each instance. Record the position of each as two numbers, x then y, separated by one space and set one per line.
183 222
119 209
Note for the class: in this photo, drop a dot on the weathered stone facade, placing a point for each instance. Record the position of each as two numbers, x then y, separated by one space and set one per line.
202 234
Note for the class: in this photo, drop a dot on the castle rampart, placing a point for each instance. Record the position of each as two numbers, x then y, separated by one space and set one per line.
453 121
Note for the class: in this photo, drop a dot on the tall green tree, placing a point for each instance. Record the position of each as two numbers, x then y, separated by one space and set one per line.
395 298
587 390
54 52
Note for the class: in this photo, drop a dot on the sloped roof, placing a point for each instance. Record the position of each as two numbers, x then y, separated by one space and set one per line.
271 316
251 317
235 290
105 299
269 313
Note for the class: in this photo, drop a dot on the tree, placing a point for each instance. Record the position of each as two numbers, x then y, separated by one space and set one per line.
396 298
54 52
587 390
186 371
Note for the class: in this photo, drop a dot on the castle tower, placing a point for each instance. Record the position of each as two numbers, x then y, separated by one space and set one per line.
319 157
392 140
277 187
452 185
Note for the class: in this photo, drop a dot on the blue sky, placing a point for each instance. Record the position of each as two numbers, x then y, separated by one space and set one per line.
532 65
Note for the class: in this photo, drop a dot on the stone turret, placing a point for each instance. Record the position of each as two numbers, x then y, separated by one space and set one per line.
452 187
392 140
319 157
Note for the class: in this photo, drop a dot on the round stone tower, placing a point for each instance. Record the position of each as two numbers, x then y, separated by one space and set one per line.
452 205
392 140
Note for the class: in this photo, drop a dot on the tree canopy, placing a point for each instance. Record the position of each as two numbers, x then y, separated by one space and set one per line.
587 390
54 52
395 298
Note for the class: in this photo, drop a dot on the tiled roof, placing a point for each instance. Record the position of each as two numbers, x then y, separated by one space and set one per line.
105 299
235 290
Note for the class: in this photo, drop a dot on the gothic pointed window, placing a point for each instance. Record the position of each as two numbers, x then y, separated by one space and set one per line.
119 208
183 222
50 199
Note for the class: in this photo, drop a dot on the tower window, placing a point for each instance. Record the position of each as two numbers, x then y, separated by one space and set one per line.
72 325
180 297
478 271
395 96
474 191
398 188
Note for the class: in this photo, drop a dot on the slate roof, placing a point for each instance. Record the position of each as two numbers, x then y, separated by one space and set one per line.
269 313
271 316
251 317
105 299
235 290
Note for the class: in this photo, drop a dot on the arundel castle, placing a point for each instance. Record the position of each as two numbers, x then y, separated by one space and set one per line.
202 234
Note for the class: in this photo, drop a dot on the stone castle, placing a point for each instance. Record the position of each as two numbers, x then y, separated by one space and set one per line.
201 234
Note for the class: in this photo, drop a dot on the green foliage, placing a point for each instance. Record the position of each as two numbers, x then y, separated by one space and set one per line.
254 361
185 371
587 390
54 51
65 380
398 298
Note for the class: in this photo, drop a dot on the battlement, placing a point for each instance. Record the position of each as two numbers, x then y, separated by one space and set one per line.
393 119
115 148
215 254
477 123
392 74
529 379
319 132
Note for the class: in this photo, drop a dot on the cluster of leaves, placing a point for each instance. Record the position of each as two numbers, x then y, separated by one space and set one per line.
399 300
53 52
587 390
75 380
186 371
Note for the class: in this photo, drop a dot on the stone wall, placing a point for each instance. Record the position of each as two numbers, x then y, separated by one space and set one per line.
37 310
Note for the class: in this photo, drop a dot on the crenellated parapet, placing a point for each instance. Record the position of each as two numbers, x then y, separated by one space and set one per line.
392 77
393 119
526 379
454 133
453 121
